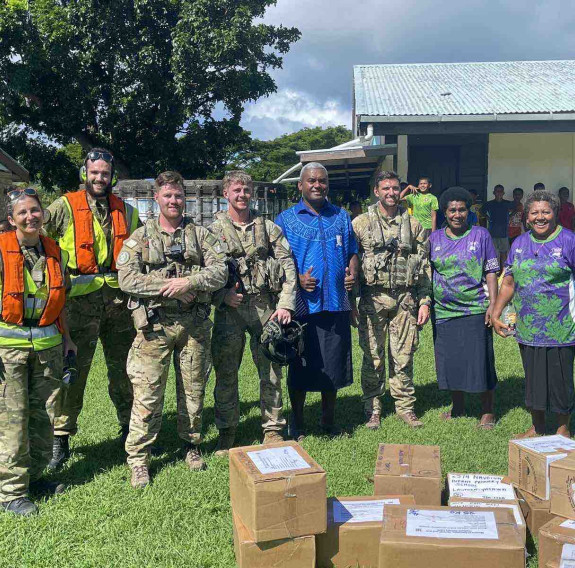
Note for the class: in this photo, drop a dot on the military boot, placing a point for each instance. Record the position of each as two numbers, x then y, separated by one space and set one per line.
272 437
60 452
193 458
21 506
43 487
410 418
140 477
373 421
225 441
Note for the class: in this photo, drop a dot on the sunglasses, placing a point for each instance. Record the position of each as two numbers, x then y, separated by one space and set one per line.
106 156
16 193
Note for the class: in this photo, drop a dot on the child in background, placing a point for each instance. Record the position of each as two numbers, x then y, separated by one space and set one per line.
423 203
515 225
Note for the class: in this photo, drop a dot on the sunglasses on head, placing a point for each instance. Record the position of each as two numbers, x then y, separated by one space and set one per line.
106 156
16 193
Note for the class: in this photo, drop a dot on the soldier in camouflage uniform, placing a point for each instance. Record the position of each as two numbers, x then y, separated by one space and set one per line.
90 226
263 287
395 295
169 268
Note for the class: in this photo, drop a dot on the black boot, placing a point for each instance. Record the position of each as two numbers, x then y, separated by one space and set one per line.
21 506
60 452
43 487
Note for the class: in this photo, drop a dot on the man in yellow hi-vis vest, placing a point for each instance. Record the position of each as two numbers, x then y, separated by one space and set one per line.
91 225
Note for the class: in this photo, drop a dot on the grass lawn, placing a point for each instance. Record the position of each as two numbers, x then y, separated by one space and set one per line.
184 519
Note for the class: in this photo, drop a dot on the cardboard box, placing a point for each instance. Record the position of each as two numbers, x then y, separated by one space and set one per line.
439 537
512 505
535 511
556 539
278 491
529 462
403 469
479 486
285 553
353 529
562 480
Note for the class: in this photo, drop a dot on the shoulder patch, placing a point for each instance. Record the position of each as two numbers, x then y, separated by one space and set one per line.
131 243
123 257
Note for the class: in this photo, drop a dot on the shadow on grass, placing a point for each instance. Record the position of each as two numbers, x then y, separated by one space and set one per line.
349 416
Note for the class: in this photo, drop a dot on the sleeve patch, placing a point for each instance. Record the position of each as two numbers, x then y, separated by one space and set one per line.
131 243
123 257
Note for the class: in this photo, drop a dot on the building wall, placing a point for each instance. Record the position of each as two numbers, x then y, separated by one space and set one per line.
521 160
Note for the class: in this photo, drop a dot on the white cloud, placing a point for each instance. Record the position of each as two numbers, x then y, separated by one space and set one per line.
290 110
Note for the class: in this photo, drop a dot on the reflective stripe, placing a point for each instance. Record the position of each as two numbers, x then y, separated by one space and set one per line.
29 333
35 303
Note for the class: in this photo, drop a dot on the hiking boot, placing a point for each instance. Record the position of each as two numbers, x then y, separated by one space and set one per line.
21 506
124 431
140 477
60 452
272 437
193 458
374 421
225 442
43 487
411 419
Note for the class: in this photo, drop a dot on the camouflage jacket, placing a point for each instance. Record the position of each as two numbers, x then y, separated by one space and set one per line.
262 255
152 255
393 256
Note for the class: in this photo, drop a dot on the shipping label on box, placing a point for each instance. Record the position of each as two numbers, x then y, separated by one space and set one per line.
278 491
562 481
529 462
404 469
553 537
353 528
512 505
296 552
443 536
479 486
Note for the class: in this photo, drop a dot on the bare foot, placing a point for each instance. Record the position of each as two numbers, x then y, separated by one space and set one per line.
531 433
487 422
563 431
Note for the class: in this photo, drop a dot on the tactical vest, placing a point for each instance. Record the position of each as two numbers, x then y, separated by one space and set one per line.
85 242
30 310
258 271
155 257
382 266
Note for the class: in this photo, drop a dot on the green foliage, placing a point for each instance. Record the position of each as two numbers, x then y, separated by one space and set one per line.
474 268
524 273
547 305
141 77
557 330
525 328
268 159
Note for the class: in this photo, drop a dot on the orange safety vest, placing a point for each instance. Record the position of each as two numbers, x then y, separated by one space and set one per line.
13 281
84 230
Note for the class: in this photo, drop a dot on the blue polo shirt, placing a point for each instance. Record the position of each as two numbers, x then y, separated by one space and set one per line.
327 242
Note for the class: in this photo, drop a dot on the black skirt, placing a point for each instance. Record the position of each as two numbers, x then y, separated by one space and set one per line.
464 358
548 377
326 361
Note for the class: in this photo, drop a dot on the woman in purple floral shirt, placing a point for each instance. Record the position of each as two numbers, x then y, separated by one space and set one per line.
464 263
539 278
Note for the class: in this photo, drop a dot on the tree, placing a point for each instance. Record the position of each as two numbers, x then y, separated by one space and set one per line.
141 77
268 159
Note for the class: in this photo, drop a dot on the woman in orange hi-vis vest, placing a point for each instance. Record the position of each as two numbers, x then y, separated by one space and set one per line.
33 338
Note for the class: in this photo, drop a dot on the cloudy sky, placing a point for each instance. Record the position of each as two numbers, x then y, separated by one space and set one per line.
315 84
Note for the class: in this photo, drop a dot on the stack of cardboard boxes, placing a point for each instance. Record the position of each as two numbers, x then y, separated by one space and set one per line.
282 518
543 470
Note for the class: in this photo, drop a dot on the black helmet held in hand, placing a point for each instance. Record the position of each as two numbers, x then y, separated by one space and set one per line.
282 343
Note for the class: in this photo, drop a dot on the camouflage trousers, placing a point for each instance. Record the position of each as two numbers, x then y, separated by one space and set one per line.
187 339
30 384
388 322
228 343
99 315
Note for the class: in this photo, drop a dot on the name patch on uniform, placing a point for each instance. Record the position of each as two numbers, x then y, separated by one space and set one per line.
131 243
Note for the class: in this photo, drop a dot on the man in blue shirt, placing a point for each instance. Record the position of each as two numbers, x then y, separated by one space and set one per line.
497 211
325 250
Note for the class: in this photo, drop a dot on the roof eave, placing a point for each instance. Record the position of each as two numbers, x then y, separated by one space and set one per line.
495 117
